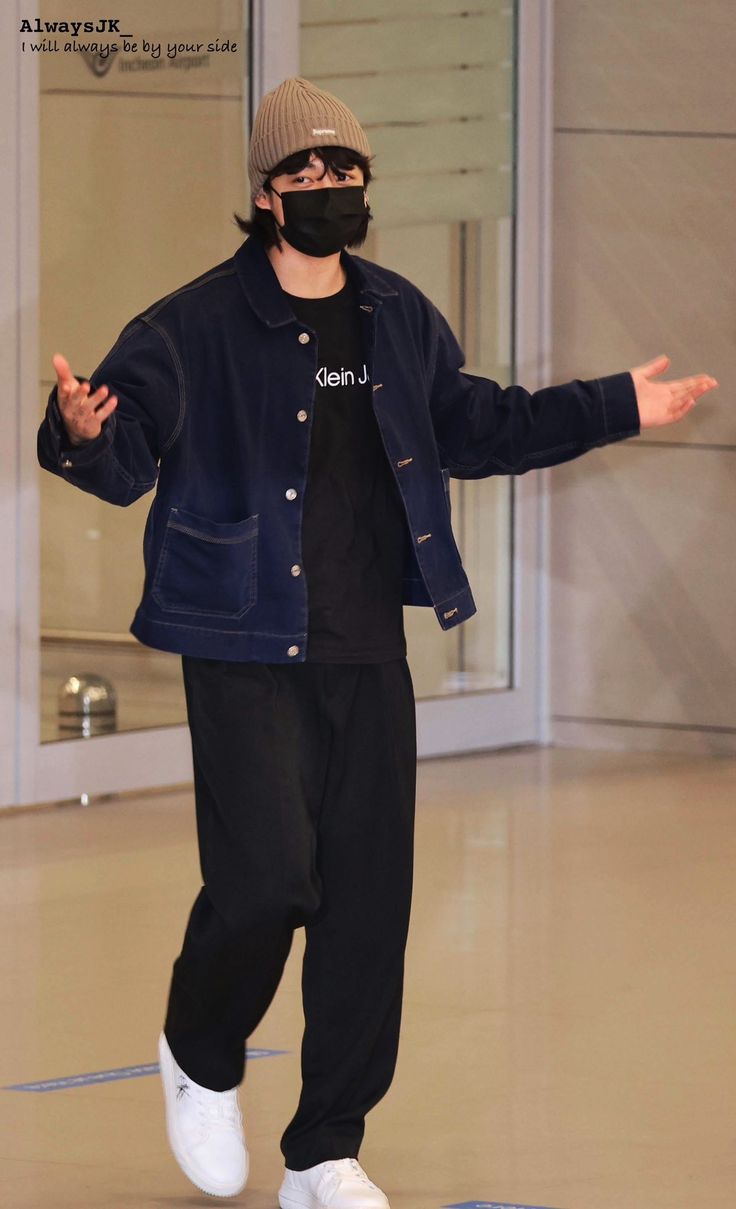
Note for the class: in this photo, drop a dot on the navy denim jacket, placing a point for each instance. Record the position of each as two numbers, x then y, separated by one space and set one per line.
215 385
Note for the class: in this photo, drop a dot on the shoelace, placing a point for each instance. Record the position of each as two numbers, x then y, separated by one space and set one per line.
341 1167
215 1107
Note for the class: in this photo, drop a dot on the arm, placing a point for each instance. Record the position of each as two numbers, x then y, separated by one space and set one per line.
121 464
483 429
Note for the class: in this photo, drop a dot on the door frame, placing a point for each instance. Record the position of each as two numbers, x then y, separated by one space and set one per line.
33 772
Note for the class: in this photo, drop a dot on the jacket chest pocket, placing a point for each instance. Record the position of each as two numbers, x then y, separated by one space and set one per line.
207 566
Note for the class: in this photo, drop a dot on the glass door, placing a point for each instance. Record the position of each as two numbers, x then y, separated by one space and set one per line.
141 159
128 171
140 164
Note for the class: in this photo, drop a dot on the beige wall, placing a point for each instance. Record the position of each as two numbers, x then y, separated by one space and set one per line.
643 576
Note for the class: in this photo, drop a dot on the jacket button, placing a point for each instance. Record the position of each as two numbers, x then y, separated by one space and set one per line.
290 493
303 337
296 569
301 416
293 650
66 463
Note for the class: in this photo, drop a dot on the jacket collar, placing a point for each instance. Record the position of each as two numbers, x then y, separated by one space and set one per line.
264 293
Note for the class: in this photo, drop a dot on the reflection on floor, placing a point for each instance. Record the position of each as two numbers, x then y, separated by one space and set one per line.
568 1030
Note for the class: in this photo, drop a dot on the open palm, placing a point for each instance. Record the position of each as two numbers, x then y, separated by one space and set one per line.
666 402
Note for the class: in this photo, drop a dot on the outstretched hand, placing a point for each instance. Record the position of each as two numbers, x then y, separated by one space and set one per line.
82 410
666 402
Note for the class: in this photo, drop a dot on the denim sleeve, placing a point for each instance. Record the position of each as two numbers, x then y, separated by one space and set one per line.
122 463
483 429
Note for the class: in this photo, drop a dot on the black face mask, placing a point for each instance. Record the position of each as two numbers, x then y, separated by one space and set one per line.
320 222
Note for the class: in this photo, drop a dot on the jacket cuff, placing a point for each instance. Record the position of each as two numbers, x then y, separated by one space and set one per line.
620 410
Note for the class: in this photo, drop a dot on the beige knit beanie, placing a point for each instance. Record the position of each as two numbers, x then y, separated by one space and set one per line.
297 115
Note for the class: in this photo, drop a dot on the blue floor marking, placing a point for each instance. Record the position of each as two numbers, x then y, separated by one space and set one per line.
121 1072
493 1205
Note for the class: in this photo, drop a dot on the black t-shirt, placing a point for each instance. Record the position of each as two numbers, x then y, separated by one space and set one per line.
354 526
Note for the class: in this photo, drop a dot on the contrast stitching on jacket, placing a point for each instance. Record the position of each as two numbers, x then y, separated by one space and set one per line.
178 625
438 603
603 405
130 328
543 453
183 289
435 348
179 377
509 467
206 537
368 269
127 478
540 453
627 432
126 333
158 588
125 475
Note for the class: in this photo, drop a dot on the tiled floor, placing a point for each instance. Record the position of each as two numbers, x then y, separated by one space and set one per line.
568 1034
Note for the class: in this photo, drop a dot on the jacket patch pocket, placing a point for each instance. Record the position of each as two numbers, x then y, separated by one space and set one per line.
207 566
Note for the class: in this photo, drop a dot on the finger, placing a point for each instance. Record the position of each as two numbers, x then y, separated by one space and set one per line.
91 419
678 409
105 410
700 388
678 402
679 412
73 404
62 367
84 401
66 392
71 393
656 366
698 382
98 396
695 388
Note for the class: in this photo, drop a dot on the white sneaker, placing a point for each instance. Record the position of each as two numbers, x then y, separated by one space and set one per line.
205 1129
336 1184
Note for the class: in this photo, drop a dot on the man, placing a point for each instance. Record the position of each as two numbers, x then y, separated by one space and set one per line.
299 410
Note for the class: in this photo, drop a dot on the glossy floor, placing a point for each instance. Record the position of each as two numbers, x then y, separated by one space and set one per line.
568 1034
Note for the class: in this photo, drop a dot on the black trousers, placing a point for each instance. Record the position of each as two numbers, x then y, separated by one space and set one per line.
305 778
